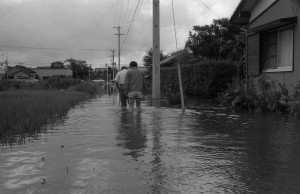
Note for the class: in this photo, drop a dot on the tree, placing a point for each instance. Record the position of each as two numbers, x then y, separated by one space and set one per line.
57 65
147 59
80 68
220 40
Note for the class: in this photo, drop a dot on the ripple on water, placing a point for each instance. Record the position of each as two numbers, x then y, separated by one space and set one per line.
21 168
158 150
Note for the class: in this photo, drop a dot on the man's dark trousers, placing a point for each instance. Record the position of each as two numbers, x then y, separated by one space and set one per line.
123 96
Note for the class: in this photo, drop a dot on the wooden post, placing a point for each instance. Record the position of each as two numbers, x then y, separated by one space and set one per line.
180 87
106 78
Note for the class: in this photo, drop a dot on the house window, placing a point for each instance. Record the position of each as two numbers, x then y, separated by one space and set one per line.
278 50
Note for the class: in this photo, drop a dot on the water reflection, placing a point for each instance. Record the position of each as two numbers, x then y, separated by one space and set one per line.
132 134
158 172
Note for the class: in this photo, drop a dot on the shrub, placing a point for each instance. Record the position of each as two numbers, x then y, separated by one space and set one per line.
9 85
89 87
174 99
295 105
205 79
264 96
60 82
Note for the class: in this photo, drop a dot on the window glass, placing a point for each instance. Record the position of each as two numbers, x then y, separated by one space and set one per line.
278 49
270 50
285 47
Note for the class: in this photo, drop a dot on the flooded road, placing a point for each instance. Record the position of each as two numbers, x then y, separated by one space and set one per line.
99 148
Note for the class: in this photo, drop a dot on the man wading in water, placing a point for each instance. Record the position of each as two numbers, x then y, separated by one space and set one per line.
135 85
120 79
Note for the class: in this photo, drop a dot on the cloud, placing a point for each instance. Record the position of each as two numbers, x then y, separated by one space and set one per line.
88 24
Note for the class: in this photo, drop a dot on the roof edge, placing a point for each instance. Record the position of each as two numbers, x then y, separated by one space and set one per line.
240 5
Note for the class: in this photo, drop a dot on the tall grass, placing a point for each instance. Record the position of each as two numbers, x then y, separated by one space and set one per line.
23 112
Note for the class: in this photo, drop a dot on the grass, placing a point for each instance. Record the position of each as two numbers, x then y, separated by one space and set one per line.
27 111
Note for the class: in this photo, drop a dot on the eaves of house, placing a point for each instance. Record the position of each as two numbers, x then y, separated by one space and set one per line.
249 11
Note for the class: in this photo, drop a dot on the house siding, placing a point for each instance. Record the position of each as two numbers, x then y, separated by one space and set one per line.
22 75
283 9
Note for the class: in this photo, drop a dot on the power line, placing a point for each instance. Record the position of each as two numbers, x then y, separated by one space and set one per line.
209 8
121 12
139 9
131 7
79 49
126 11
130 23
116 11
46 62
174 24
49 48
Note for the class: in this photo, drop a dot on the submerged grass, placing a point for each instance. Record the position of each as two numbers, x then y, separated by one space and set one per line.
26 112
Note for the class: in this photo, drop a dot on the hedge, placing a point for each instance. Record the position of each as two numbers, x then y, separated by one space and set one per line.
205 79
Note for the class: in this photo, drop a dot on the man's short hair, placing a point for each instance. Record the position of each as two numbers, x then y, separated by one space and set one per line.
133 64
124 67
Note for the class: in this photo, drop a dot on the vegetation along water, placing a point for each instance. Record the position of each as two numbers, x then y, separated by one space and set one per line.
27 111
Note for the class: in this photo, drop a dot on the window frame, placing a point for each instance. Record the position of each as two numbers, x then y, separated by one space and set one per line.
278 69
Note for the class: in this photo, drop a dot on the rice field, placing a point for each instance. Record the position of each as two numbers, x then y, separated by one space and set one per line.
26 112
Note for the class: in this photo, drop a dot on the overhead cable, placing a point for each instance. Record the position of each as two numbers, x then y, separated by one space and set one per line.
116 11
174 25
209 8
131 23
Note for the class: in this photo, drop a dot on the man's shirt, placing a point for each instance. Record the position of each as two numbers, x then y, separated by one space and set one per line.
135 81
120 77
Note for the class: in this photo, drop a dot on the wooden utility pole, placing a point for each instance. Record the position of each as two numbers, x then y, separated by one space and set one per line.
119 45
113 63
113 55
156 52
90 73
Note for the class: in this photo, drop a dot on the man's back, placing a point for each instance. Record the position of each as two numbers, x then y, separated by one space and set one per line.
134 80
120 77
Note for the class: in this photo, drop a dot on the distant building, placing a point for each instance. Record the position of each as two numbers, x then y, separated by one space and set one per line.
182 56
47 72
20 72
100 69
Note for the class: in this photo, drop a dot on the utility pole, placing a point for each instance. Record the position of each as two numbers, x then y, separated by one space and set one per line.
113 55
119 44
113 62
156 52
6 67
90 73
106 77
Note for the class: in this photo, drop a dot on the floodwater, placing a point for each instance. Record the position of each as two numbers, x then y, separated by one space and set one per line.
99 148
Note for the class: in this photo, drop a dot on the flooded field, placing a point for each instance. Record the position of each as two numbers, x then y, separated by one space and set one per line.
99 148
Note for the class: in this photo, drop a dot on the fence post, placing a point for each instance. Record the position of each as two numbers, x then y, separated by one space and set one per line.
180 87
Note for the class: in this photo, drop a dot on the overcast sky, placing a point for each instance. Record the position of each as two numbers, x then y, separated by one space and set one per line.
38 32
